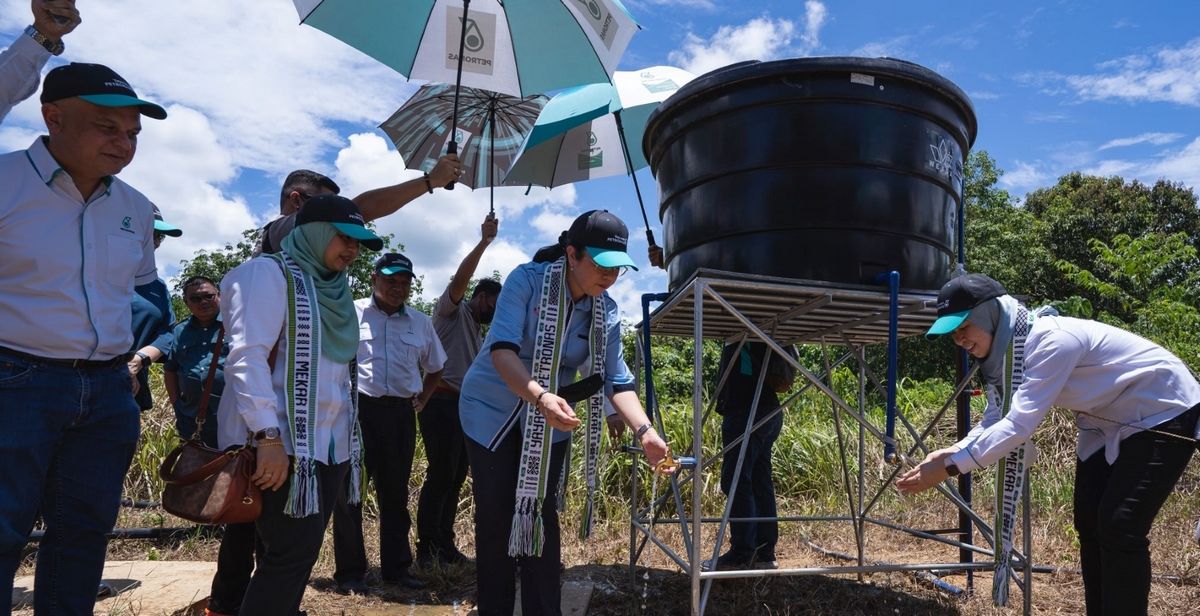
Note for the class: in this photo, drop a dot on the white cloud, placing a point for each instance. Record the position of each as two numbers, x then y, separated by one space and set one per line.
762 38
1168 75
1025 177
438 230
1151 138
895 47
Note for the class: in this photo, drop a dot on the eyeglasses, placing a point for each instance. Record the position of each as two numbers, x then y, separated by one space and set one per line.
201 297
304 197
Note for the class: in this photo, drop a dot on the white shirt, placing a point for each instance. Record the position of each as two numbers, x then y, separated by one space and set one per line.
1083 365
394 349
20 71
254 309
68 264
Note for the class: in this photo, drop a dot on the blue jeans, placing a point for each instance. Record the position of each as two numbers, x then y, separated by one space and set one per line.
755 494
67 436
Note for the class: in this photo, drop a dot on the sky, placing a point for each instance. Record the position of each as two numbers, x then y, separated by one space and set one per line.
1099 86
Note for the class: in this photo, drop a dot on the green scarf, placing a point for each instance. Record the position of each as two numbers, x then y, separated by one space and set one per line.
339 321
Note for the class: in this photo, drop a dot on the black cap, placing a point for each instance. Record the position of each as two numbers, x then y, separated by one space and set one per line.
393 263
96 84
958 297
605 237
343 214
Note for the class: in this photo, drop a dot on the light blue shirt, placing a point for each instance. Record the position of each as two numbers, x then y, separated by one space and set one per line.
487 405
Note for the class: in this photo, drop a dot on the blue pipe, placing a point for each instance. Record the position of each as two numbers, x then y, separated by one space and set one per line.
651 399
893 352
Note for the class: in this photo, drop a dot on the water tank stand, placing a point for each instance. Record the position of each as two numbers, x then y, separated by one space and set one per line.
736 308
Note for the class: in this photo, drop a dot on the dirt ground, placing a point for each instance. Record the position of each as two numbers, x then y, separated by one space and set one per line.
603 561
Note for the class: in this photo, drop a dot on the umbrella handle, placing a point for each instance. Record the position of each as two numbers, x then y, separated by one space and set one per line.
451 148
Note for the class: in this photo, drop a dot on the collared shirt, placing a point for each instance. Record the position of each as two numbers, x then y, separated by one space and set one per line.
460 335
190 357
486 405
69 264
393 349
1113 375
20 71
254 304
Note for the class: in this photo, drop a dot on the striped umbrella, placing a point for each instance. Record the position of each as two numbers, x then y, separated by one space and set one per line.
490 129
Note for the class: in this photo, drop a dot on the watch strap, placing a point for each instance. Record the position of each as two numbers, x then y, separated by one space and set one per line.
54 47
641 431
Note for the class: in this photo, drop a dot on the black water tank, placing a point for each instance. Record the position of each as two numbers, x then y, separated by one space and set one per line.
830 169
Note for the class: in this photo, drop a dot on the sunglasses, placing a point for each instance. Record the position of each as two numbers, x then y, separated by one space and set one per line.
201 297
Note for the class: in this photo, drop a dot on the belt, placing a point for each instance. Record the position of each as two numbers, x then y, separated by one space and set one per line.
69 363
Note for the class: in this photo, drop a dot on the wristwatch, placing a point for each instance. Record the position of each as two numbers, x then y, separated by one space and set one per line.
952 469
143 359
269 434
54 47
642 429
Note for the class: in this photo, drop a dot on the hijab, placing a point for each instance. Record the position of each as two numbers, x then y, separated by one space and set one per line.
339 321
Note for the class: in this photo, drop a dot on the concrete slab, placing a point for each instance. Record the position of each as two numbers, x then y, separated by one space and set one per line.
145 588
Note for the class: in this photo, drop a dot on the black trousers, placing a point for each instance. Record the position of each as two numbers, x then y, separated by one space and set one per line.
389 433
235 565
755 496
495 488
1115 506
446 451
290 546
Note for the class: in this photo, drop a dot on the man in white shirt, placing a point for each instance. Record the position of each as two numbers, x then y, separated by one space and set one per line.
396 345
1136 406
74 241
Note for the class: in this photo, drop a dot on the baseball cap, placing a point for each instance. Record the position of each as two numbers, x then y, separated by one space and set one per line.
342 214
393 263
958 297
96 84
161 226
604 236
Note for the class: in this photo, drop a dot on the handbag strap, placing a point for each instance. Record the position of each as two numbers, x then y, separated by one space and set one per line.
167 469
202 411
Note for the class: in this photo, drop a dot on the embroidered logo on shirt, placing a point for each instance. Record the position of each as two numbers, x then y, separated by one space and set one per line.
126 223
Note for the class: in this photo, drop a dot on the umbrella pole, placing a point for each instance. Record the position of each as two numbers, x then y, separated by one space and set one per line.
492 160
633 174
452 147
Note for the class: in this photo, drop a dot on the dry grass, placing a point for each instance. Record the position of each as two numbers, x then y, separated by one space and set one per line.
603 560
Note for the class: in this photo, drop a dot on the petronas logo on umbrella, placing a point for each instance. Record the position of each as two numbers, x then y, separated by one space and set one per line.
591 157
601 20
479 49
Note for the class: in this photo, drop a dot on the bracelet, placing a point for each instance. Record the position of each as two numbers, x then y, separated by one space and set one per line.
270 443
143 359
538 399
642 430
428 184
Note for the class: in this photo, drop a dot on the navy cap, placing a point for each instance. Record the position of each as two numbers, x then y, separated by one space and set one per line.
605 237
161 226
343 214
96 84
958 297
393 263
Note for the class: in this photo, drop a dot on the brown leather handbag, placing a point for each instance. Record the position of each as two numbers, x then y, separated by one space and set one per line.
208 485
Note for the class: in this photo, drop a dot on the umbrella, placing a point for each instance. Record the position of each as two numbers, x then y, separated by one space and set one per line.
595 131
515 47
490 128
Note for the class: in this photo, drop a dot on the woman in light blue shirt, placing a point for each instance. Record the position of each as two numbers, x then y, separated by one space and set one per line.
501 390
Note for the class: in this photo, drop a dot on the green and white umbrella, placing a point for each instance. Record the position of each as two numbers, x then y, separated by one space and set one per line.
514 47
595 131
490 129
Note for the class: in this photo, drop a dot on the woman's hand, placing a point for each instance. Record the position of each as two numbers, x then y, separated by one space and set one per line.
655 449
271 470
928 474
557 412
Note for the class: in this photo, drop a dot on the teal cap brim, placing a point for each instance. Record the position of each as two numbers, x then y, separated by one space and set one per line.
611 258
946 324
360 233
120 100
165 229
394 269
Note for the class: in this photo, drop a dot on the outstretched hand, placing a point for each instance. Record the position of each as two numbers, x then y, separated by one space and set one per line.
558 412
447 169
928 474
489 229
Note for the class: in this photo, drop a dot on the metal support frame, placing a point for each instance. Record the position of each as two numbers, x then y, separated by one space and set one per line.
736 308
